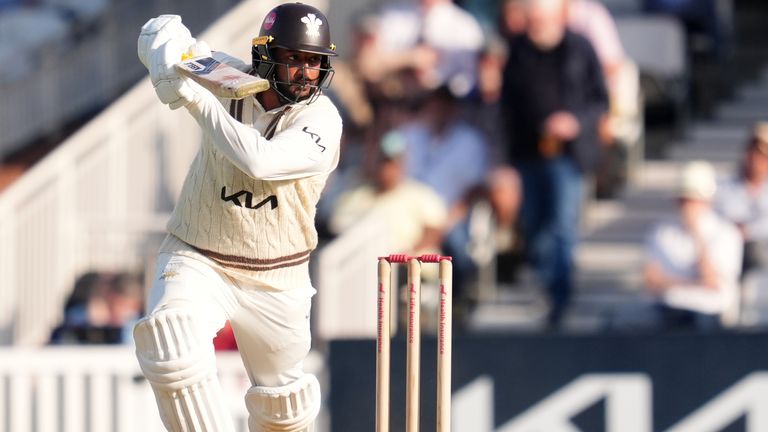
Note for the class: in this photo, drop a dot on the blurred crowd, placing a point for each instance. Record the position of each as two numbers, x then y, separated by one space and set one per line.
706 266
450 112
483 127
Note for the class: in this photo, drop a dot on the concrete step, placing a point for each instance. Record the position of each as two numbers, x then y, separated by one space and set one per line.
718 155
664 175
628 229
587 312
605 258
720 130
754 92
744 112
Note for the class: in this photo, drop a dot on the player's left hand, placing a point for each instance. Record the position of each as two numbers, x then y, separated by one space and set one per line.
157 31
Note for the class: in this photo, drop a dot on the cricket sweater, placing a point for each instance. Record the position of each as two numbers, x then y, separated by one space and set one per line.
248 203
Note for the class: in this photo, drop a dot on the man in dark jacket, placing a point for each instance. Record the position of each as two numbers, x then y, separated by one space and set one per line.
553 96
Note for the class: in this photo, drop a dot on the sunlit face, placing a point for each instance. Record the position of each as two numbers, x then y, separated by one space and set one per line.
546 22
297 71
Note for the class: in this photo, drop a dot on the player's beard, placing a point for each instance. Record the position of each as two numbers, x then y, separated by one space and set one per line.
300 89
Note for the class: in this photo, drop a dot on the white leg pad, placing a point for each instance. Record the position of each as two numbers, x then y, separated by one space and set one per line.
181 367
290 408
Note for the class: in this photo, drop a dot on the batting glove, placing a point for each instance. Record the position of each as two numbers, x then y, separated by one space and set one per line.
158 31
172 89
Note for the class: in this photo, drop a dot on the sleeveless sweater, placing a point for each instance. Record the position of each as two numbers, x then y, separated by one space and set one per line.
248 203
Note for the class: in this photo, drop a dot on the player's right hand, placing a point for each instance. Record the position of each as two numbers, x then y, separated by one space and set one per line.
171 88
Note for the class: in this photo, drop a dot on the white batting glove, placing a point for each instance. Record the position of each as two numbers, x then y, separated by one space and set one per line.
158 31
172 89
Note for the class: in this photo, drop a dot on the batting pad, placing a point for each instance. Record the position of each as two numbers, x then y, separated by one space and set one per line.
180 364
290 408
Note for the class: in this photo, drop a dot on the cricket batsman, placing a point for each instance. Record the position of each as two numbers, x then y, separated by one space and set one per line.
239 239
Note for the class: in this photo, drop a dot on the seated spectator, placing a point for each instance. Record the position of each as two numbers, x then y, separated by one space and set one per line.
444 151
82 308
416 214
449 155
101 310
694 260
423 36
743 199
493 224
124 299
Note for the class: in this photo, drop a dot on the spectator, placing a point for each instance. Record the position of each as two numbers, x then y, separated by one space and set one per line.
416 214
84 311
743 199
493 225
101 310
552 98
421 37
693 261
124 299
450 156
444 151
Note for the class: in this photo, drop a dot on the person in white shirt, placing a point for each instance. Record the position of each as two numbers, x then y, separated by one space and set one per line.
240 237
693 261
743 199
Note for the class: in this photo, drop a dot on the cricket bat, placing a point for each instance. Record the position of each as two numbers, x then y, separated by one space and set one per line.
220 78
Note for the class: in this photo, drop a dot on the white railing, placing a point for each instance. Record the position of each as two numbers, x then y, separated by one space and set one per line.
77 389
100 199
347 279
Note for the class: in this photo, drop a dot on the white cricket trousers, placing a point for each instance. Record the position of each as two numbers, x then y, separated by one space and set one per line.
272 328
